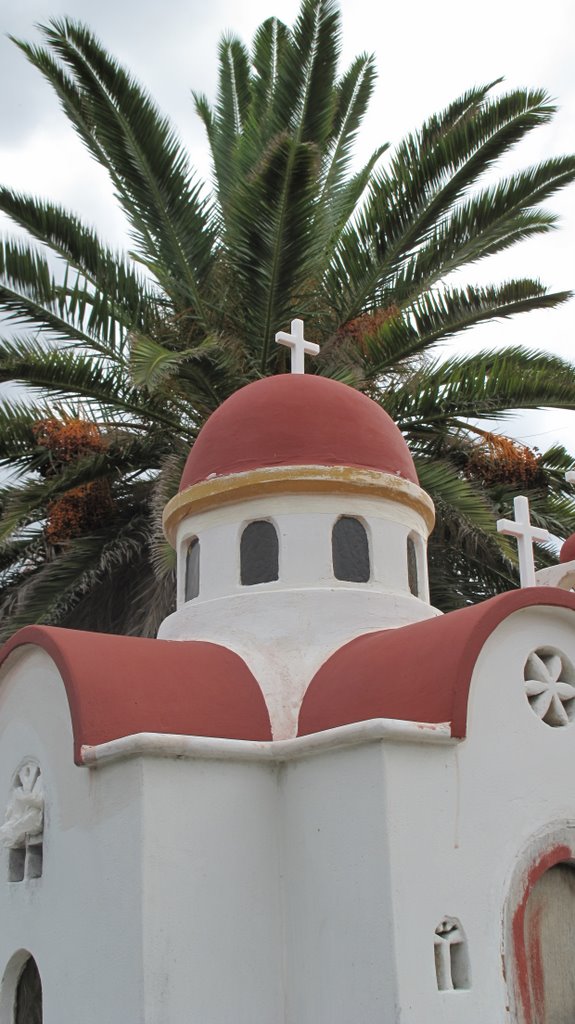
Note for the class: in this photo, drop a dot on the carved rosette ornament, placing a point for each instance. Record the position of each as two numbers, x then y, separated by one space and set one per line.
549 687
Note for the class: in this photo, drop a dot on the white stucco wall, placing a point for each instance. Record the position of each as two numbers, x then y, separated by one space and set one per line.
461 819
304 523
340 960
160 898
82 920
213 902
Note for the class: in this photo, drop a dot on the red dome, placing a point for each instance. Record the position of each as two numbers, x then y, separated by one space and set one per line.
567 553
297 420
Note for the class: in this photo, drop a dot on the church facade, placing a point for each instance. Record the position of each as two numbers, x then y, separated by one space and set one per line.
313 799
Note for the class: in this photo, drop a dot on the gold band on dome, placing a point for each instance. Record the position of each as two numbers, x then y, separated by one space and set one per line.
295 480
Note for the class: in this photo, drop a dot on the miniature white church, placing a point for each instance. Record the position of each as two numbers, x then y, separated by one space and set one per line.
314 799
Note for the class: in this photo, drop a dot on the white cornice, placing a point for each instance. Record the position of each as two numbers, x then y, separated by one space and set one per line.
153 744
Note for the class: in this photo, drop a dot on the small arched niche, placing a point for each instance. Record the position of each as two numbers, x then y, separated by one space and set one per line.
452 970
350 550
259 553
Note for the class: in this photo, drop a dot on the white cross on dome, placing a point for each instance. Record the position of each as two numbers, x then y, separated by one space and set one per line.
298 345
526 534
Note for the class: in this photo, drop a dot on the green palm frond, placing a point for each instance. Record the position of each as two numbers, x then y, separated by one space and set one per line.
272 235
51 590
488 385
268 52
458 112
65 373
351 192
307 74
352 95
468 505
438 316
490 222
121 125
129 298
17 439
30 295
432 170
429 174
230 115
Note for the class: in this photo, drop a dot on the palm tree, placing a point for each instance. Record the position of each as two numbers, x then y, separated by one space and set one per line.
122 356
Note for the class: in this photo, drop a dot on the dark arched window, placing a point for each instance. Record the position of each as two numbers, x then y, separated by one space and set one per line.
412 575
259 553
28 1002
192 587
350 550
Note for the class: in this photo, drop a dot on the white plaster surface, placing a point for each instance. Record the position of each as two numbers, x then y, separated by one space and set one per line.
213 909
340 957
304 523
561 575
382 841
460 819
82 920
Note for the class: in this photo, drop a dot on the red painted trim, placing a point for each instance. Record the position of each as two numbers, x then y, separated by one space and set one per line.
528 960
297 420
117 686
420 673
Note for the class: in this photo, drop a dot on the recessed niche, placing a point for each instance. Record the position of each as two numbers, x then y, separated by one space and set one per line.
16 864
22 833
451 956
34 859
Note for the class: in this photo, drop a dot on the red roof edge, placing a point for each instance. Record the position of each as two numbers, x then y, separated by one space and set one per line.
419 673
117 686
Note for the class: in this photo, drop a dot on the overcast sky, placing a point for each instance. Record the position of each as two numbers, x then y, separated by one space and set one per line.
427 54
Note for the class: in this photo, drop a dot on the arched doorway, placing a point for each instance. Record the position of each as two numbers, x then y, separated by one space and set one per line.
538 925
28 1000
549 927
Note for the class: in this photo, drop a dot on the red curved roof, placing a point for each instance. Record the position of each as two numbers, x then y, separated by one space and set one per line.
419 673
567 553
297 420
117 686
